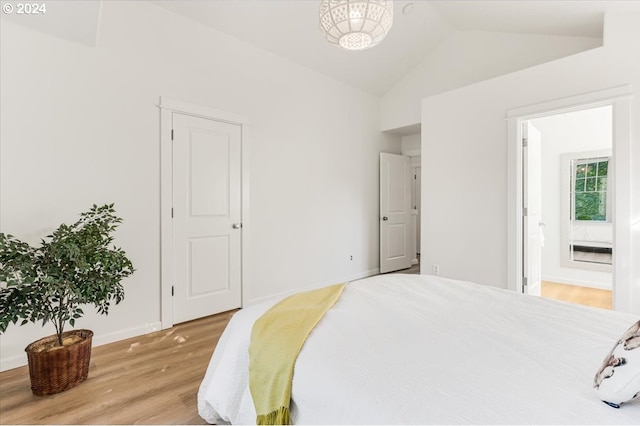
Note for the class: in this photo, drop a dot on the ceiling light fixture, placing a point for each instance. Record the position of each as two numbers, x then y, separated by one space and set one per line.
355 24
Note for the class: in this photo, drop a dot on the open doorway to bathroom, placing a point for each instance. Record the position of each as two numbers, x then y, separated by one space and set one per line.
576 212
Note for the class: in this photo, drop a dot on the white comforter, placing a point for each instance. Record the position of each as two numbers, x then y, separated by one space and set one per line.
414 349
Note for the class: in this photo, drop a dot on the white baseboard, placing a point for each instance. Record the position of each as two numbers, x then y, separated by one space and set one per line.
283 294
255 301
581 283
12 362
16 361
126 334
364 274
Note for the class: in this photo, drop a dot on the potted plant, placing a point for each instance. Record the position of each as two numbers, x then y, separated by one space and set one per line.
75 266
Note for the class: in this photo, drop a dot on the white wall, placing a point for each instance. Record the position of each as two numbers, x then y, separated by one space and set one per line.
468 57
410 144
80 125
579 131
464 137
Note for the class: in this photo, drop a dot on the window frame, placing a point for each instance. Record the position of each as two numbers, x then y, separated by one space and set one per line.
608 199
568 209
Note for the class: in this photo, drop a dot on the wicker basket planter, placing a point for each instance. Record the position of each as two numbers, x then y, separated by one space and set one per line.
59 368
76 265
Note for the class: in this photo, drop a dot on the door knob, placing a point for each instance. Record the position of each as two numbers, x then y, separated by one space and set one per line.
385 218
236 226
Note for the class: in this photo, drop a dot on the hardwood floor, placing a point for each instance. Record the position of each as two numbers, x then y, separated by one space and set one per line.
576 294
414 269
567 293
151 379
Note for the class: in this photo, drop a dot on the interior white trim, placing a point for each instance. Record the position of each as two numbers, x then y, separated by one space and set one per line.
570 104
202 111
581 283
20 360
283 294
413 153
167 107
619 97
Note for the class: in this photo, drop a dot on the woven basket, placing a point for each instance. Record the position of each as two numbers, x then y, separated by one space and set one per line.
54 371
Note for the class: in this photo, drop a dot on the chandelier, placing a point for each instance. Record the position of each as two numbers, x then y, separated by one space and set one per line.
355 24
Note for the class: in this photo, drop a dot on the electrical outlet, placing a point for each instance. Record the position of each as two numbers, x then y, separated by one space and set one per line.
436 269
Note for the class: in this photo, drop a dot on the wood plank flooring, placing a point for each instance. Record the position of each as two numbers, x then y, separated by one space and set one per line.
577 294
567 293
151 379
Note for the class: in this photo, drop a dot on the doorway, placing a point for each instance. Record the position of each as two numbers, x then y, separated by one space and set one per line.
574 221
618 98
204 210
411 148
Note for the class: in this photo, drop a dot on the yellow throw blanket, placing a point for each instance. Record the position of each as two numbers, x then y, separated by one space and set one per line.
276 339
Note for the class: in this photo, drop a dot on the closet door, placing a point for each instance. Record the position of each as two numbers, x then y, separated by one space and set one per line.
206 217
395 212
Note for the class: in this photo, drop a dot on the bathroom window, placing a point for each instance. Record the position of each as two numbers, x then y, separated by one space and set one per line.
590 190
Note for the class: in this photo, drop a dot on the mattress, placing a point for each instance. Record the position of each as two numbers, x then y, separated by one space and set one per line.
418 349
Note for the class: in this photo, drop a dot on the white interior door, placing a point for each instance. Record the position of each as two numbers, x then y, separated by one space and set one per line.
395 212
532 198
206 217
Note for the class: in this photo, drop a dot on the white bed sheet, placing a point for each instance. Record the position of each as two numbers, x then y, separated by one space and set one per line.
417 349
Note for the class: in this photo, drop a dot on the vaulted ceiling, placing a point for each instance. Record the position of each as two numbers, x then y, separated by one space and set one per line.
289 28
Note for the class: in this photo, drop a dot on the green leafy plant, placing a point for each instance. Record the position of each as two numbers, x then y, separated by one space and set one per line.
76 265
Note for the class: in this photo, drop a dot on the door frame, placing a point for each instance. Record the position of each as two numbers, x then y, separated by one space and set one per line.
168 107
620 99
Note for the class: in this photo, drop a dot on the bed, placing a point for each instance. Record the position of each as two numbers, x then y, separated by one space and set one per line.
419 349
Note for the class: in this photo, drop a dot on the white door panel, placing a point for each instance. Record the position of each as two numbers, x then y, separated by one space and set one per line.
209 178
207 277
532 250
395 212
396 240
206 205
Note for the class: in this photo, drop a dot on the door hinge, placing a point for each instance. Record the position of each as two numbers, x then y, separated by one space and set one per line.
171 134
415 177
525 283
172 212
525 142
525 211
171 290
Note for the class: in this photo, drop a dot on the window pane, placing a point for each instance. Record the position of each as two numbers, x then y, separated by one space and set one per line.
590 206
602 211
603 168
590 190
602 184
